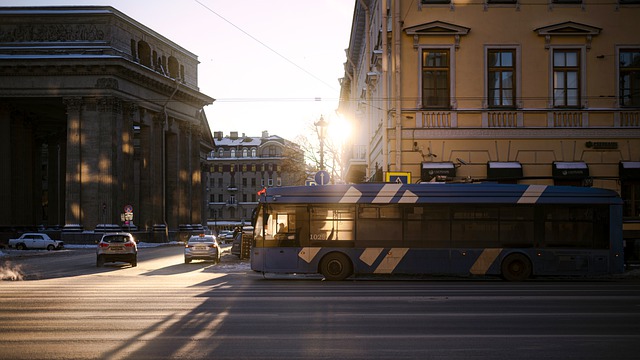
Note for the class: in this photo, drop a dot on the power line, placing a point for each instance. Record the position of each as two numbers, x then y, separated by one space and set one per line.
265 45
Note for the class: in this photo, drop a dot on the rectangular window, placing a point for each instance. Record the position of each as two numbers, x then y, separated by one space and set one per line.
576 227
331 223
253 182
379 223
501 78
435 78
220 198
284 225
566 78
630 77
219 182
475 226
428 226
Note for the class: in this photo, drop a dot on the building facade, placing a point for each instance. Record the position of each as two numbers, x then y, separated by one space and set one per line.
241 166
100 116
536 92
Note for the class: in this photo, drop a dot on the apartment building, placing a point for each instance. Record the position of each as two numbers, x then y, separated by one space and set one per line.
535 92
240 166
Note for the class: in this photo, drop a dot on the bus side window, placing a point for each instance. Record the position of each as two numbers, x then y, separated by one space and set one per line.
331 223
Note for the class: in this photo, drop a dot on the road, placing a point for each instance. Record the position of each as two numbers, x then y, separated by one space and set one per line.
165 309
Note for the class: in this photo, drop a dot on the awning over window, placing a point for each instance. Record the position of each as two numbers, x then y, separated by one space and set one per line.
432 169
504 170
629 170
573 170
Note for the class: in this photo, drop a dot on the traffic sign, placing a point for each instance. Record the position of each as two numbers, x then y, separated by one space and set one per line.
398 177
322 177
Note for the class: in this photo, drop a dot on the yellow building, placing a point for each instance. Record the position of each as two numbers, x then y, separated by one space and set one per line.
535 92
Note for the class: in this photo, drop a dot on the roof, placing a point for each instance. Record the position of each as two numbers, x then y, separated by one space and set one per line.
480 193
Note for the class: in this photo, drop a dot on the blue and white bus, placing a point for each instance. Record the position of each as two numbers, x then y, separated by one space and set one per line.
513 231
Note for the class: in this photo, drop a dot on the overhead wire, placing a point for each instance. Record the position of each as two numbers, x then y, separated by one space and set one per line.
266 46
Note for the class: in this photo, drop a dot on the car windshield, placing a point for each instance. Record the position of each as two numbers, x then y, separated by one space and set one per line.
116 239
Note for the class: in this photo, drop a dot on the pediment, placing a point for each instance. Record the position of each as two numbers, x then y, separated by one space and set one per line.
568 28
437 28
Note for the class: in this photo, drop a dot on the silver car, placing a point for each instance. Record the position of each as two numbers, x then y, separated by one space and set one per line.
114 247
203 247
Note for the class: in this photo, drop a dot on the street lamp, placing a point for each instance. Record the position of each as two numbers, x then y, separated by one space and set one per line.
321 127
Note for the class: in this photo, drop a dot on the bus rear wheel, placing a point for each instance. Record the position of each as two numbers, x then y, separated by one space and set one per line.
336 267
516 267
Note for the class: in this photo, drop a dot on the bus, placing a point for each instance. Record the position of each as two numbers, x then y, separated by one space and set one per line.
510 230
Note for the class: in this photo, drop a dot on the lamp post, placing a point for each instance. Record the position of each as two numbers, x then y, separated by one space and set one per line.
321 127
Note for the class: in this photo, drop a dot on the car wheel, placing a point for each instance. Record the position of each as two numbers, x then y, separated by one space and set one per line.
21 247
50 248
100 261
186 261
134 263
516 267
335 267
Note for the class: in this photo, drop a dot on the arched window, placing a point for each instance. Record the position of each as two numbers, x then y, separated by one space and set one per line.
253 152
233 153
144 53
174 68
245 152
221 152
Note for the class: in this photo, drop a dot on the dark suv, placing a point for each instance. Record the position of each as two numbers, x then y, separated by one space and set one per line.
114 247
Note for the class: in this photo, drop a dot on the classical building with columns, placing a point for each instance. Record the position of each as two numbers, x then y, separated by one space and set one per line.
99 115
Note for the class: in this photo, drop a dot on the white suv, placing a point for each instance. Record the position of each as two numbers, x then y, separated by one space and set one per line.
114 247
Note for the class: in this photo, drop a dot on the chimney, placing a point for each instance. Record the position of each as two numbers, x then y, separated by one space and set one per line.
233 135
217 135
265 134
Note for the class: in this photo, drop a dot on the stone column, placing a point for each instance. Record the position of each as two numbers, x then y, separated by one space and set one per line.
145 193
6 195
125 155
184 171
103 162
158 175
55 188
171 182
73 195
196 176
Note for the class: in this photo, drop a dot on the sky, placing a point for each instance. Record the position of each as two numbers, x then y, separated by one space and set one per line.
271 65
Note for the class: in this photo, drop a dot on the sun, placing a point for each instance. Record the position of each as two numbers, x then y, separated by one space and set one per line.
339 130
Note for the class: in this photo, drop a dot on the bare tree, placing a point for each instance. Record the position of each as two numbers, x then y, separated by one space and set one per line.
332 154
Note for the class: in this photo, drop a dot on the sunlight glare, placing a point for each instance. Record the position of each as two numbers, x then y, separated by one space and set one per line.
339 130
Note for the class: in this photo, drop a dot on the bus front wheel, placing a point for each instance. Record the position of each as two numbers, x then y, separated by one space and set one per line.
335 267
516 267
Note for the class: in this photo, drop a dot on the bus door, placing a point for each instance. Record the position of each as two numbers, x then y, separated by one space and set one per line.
281 242
474 239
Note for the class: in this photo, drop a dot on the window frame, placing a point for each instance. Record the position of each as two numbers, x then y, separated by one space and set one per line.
619 51
447 103
580 76
515 88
